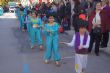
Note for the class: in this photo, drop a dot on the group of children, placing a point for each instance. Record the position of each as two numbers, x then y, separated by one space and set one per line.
36 26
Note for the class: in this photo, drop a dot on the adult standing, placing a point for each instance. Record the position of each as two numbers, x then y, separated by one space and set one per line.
68 13
76 12
105 35
97 24
61 10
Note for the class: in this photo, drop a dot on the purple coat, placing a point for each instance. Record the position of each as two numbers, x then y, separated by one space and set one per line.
107 8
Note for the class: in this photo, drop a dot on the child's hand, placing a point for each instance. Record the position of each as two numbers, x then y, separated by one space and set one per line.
80 47
49 31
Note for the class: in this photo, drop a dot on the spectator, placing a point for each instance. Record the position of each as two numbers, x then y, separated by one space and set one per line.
105 35
61 11
98 22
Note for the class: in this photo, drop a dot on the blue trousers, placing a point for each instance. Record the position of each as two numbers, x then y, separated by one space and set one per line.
29 28
52 47
36 35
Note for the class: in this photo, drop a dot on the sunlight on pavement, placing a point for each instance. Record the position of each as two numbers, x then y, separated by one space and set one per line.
8 15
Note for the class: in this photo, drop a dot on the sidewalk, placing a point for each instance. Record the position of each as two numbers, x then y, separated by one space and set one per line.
104 50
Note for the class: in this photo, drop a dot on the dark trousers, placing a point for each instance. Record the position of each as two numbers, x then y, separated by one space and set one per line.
105 39
94 38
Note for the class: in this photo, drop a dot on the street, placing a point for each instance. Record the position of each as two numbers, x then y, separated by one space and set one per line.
16 56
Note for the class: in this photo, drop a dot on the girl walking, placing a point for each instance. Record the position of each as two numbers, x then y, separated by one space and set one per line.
51 32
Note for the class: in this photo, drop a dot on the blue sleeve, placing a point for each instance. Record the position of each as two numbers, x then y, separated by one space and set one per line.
40 22
56 27
46 29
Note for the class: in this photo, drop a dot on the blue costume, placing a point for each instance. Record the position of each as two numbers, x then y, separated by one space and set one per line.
1 11
25 10
18 13
29 26
24 17
21 19
51 33
36 31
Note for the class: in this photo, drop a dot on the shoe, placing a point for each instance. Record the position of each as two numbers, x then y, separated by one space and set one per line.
41 48
57 63
46 62
32 47
97 54
103 46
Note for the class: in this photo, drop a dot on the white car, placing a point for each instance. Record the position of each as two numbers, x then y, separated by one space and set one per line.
12 8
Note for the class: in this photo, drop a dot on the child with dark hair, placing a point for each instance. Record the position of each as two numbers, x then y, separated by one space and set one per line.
21 18
36 31
80 42
51 32
28 22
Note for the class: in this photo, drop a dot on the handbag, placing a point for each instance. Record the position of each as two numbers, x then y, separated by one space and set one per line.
61 30
97 30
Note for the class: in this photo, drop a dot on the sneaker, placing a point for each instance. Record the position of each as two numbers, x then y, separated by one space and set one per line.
46 62
57 63
41 48
32 47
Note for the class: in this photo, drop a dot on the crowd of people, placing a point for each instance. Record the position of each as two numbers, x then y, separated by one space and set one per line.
89 18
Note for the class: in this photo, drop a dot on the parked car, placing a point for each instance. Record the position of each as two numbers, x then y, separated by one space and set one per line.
12 6
12 9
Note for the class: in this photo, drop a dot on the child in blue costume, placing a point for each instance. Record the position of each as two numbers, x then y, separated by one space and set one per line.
21 18
51 32
28 22
36 31
20 15
1 11
24 18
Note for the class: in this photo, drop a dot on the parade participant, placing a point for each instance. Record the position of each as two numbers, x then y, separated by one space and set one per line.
24 17
20 10
1 11
81 42
51 32
36 31
44 19
28 22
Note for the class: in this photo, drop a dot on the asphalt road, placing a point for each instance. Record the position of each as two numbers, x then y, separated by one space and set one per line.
17 57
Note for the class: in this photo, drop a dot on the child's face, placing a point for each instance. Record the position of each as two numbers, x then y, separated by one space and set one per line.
30 14
51 19
33 15
82 30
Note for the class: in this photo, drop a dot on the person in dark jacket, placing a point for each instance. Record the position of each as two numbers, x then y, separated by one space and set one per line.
75 16
68 13
98 24
105 35
61 11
